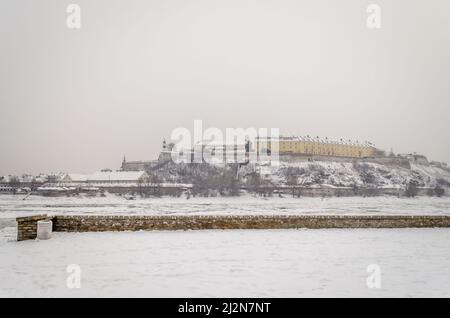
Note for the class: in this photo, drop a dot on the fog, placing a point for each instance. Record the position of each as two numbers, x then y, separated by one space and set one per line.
78 100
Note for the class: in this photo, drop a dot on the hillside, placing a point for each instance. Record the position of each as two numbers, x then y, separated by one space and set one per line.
359 174
356 174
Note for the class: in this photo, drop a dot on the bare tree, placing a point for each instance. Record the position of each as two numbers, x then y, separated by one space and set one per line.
411 189
14 183
292 181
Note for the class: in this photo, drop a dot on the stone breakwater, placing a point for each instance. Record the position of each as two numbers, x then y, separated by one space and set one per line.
27 226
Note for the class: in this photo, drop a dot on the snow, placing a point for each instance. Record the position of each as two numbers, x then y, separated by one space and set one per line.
237 263
123 184
54 188
116 176
13 206
75 177
348 174
431 172
252 263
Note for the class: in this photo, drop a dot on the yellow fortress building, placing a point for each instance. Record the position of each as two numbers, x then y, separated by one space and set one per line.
315 147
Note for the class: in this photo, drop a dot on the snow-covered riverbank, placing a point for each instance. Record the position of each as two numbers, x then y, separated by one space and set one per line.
252 263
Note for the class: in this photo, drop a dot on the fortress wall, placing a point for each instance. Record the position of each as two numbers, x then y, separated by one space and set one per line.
389 161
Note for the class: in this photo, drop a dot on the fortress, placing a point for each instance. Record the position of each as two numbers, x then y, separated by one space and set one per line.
316 147
286 146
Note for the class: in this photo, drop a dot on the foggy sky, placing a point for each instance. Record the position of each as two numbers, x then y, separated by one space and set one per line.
78 100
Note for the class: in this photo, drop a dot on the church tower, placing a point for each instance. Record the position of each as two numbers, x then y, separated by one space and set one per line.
165 153
124 162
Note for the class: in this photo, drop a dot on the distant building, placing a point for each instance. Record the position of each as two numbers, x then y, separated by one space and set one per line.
315 146
55 177
24 180
164 156
416 158
442 165
75 178
6 189
219 152
118 177
133 165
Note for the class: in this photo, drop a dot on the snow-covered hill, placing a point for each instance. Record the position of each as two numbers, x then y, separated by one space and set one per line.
359 174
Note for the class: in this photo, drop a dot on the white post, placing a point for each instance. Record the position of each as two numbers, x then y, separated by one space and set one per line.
44 230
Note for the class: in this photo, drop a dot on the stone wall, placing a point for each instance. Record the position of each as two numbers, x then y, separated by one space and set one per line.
136 223
298 191
27 226
388 161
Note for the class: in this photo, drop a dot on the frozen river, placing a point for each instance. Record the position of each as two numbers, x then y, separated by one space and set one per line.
13 206
237 263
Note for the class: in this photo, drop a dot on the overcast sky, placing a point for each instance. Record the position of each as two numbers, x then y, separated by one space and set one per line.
78 100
